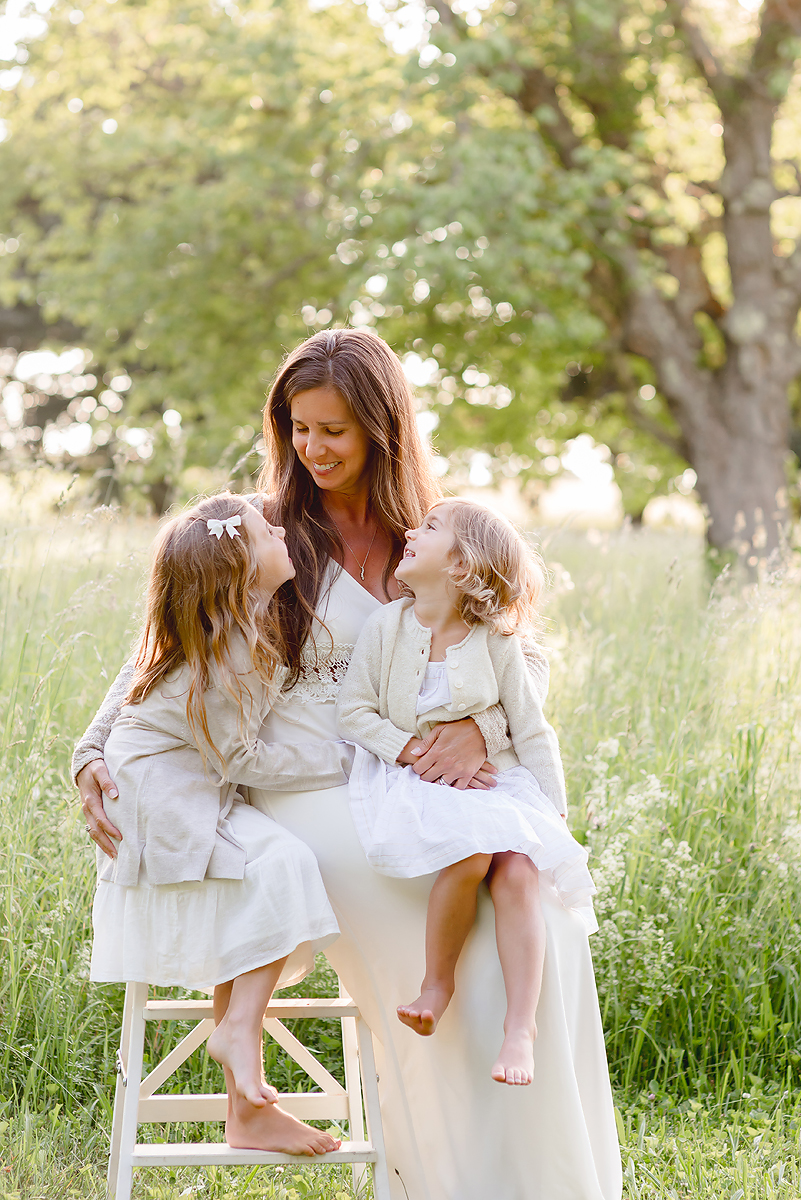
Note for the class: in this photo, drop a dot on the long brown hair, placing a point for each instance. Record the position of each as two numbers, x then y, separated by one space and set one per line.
203 590
369 378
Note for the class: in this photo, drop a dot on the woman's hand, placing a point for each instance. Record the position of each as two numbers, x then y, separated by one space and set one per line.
92 781
457 754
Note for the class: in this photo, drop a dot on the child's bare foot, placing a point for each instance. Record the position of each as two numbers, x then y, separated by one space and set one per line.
515 1063
270 1128
423 1016
242 1058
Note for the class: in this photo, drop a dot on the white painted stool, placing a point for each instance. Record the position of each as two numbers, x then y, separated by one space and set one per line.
137 1100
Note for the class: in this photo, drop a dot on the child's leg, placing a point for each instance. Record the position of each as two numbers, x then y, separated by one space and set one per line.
260 1126
237 1041
451 913
520 934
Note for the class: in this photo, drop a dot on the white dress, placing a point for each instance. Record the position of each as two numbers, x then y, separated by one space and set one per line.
408 827
452 1133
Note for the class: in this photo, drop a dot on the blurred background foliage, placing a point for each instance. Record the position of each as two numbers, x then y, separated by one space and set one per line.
187 189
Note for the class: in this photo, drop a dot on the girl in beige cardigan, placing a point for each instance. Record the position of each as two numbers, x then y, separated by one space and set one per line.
205 890
451 651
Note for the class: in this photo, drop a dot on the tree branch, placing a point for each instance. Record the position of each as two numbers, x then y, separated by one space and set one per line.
639 417
702 53
657 330
23 328
538 90
780 19
648 425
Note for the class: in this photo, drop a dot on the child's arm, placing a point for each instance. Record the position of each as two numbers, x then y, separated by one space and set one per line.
358 708
272 766
534 740
492 721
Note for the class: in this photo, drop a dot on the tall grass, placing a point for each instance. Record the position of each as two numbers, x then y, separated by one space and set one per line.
679 710
68 588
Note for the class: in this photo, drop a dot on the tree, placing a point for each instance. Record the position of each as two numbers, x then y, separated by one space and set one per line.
169 186
670 160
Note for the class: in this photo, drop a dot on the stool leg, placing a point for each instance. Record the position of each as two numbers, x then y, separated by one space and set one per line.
375 1129
119 1094
353 1086
130 1103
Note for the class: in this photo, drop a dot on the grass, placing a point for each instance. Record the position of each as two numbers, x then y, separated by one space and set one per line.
679 711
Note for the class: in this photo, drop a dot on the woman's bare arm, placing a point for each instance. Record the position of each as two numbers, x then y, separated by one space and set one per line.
89 769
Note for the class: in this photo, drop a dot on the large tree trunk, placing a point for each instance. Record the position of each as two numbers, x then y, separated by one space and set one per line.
741 475
734 421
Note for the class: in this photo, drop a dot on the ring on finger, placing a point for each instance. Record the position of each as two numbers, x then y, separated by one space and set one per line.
88 828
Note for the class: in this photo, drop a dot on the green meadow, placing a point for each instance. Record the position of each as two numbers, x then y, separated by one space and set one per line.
676 696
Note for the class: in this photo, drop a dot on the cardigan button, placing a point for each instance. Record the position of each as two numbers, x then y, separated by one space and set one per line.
461 707
458 683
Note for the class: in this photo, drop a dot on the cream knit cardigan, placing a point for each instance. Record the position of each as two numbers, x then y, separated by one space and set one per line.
378 698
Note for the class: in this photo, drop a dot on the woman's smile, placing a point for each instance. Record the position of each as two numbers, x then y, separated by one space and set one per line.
329 441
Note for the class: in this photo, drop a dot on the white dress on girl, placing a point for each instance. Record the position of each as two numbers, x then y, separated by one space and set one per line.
408 827
204 887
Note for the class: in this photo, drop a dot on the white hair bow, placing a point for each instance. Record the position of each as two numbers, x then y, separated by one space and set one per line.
217 528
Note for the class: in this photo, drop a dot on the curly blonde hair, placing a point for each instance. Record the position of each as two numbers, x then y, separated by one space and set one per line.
202 591
497 575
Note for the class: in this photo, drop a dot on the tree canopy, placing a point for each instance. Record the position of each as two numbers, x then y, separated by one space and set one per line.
579 215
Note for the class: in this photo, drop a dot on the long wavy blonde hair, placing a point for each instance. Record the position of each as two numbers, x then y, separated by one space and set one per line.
497 576
202 592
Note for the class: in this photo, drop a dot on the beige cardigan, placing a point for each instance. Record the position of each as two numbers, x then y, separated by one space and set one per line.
377 701
170 810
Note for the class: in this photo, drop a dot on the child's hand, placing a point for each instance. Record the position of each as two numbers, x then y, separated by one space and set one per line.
411 751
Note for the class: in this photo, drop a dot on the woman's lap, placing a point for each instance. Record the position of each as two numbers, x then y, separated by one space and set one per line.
453 1133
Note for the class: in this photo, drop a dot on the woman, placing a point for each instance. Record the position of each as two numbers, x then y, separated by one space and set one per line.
346 474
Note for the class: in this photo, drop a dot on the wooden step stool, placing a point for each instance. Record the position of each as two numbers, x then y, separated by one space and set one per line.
137 1100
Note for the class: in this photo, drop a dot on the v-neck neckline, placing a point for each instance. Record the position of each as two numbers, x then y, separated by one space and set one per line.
338 566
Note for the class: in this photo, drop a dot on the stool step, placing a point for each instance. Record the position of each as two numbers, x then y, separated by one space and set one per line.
198 1010
306 1106
200 1154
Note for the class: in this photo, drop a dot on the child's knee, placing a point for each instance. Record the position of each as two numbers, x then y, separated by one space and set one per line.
515 872
474 867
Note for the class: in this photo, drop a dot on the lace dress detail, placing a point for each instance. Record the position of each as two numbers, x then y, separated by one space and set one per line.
321 676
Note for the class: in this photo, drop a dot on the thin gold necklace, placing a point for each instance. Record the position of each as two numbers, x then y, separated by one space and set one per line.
361 566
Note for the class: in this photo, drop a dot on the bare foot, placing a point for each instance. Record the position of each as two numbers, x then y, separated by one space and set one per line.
241 1056
515 1063
271 1128
423 1016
